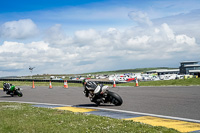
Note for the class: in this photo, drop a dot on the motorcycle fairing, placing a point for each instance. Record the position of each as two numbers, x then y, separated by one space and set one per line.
104 88
97 90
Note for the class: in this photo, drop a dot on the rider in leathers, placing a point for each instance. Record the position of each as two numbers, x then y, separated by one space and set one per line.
9 88
89 86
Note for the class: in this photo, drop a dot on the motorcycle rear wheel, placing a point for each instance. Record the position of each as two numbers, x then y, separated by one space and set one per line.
97 103
115 98
19 93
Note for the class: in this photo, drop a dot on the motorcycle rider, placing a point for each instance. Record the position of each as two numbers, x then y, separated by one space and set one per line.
6 86
9 88
89 86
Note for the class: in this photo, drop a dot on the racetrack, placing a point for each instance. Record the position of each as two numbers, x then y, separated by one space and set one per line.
180 102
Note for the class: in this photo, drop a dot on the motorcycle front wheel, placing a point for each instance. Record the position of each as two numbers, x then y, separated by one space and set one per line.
115 98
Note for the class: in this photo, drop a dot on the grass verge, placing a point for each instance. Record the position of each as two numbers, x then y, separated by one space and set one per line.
24 118
177 82
26 83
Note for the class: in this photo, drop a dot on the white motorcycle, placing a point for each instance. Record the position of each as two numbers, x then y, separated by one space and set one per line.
101 94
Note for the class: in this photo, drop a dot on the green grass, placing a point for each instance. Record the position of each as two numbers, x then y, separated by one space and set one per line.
24 118
26 83
177 82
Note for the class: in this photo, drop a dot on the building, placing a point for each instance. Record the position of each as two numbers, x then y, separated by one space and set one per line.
190 67
164 71
186 68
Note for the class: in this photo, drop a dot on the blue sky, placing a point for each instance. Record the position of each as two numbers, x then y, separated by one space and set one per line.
24 5
88 36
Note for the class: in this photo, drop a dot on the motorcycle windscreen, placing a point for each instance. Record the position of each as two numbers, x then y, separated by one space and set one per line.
97 90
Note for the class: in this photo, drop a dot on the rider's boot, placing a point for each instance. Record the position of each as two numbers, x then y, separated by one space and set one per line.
86 93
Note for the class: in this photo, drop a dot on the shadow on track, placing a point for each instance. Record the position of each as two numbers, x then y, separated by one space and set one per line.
91 105
6 96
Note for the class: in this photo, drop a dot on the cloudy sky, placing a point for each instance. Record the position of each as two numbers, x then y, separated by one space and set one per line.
78 36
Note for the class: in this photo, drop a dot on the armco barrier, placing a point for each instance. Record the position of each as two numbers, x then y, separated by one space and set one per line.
62 81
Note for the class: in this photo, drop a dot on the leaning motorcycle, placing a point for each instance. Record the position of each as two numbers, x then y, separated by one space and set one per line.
102 95
12 90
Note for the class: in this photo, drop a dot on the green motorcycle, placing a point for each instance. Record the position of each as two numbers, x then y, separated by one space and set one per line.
12 90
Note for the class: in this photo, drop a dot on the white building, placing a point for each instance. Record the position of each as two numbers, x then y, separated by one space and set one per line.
164 71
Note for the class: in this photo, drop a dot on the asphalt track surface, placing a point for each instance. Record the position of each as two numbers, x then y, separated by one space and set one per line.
183 102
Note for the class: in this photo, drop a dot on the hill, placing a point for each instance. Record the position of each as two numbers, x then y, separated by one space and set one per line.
136 70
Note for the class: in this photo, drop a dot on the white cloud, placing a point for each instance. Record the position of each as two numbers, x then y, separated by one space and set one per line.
157 30
140 17
138 41
85 35
91 50
35 52
181 39
169 32
55 35
21 29
94 50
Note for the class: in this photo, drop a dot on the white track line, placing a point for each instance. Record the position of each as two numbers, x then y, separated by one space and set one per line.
115 110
